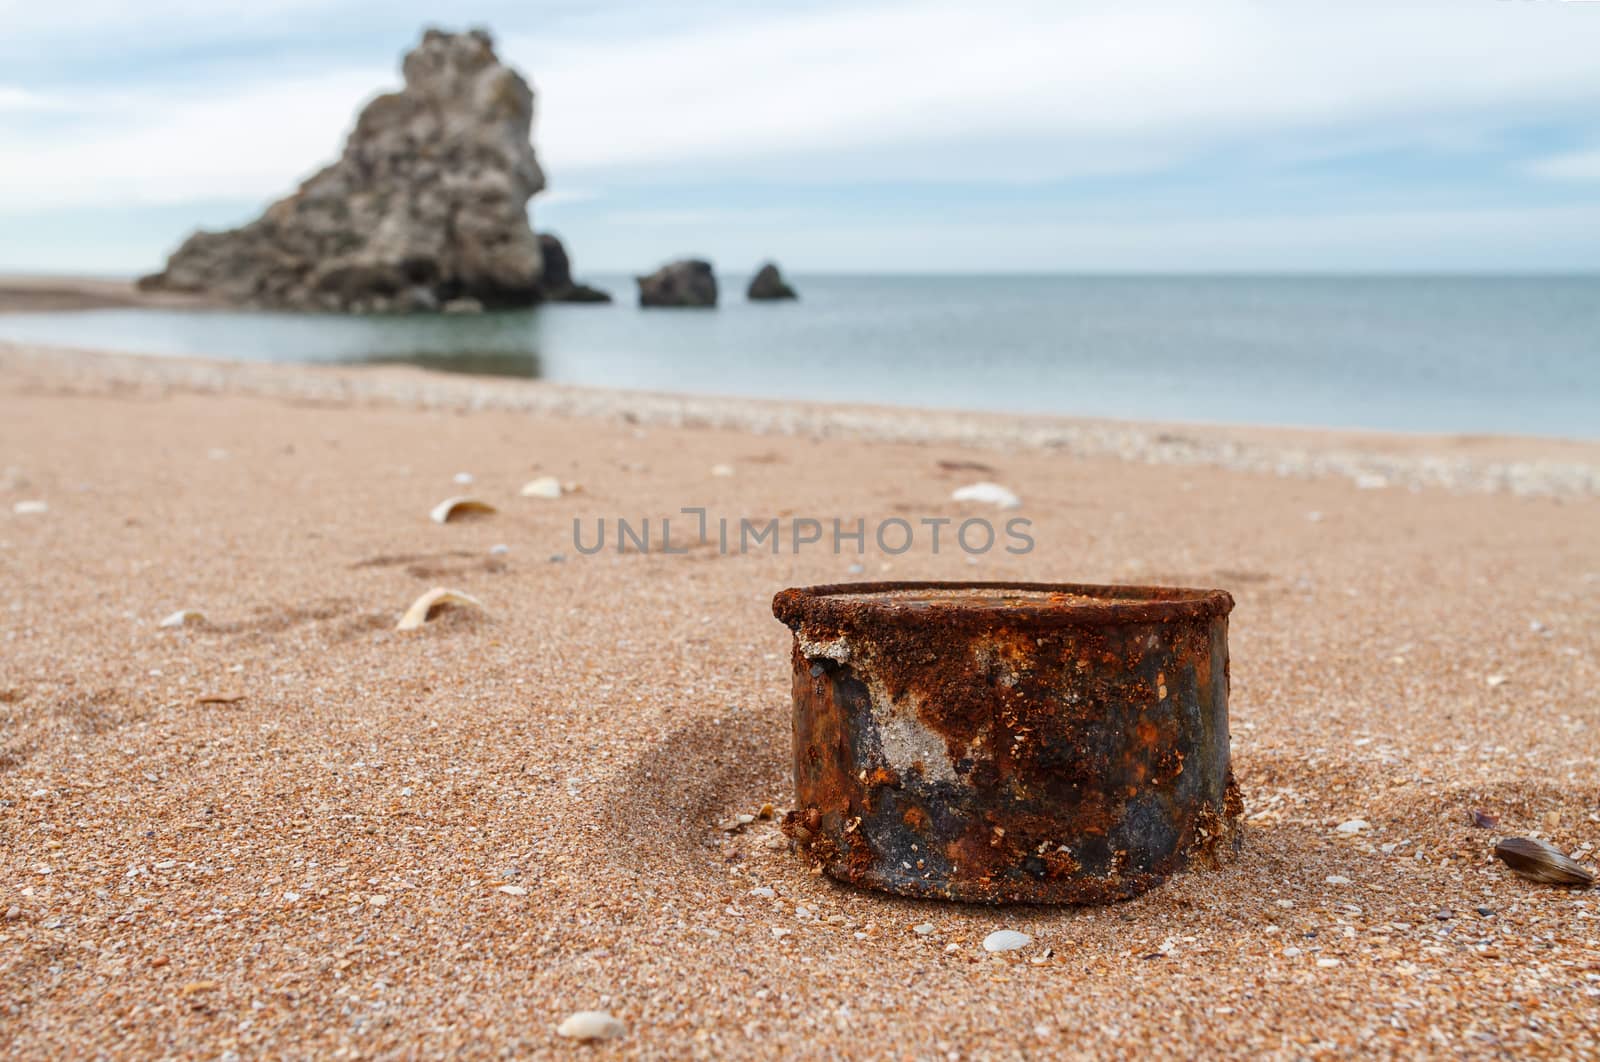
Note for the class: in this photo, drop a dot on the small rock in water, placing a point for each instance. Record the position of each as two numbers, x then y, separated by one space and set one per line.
988 493
1354 826
1006 940
30 508
592 1025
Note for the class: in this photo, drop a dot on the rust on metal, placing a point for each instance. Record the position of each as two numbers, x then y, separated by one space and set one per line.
1010 742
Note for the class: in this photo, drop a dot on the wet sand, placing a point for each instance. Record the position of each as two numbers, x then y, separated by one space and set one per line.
31 294
289 829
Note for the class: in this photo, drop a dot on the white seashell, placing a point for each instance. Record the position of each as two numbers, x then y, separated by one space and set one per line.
30 508
1006 940
987 493
454 508
422 608
722 471
543 487
183 617
592 1025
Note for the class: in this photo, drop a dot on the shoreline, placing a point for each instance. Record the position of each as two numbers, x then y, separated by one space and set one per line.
1480 463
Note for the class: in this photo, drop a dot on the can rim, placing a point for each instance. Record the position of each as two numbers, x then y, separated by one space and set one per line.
836 603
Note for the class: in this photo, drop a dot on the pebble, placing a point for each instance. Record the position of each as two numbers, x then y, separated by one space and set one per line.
1327 964
1006 940
1354 826
513 890
592 1025
500 549
1495 681
13 913
1336 879
463 478
766 892
922 929
30 508
1291 952
722 471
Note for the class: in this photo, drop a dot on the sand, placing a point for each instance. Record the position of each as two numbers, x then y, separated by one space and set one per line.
291 830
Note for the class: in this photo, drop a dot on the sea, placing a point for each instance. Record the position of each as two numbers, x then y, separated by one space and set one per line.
1454 354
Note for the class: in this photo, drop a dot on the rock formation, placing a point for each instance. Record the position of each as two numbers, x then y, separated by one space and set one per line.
768 283
428 203
687 283
557 284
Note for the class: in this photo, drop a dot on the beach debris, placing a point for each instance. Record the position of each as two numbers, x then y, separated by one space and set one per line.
218 698
1538 861
592 1025
30 507
543 487
722 471
987 493
968 466
463 478
423 608
1354 826
1006 940
184 617
458 508
1482 819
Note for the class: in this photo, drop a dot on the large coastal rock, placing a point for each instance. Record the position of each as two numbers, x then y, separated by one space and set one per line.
557 284
687 283
768 283
428 203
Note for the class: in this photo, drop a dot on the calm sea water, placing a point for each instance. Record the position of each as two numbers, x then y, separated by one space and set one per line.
1479 354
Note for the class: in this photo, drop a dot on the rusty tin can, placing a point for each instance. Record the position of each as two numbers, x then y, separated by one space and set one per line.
1010 742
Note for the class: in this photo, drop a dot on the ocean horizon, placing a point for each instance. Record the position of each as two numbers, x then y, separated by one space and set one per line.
1449 353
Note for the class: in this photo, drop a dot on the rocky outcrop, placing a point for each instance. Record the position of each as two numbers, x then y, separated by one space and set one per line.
427 204
768 283
557 285
687 283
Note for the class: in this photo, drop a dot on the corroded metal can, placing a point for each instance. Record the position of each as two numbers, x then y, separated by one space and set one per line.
1010 742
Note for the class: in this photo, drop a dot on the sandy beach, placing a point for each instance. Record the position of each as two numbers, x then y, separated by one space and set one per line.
289 829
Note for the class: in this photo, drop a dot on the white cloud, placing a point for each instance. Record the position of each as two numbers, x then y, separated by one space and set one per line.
1573 166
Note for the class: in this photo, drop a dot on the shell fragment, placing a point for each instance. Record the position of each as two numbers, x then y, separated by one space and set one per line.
458 508
423 608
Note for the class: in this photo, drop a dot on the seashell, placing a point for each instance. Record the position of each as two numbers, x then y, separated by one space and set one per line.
1483 819
423 608
988 493
722 471
30 508
1006 940
543 487
1541 862
592 1025
458 507
183 617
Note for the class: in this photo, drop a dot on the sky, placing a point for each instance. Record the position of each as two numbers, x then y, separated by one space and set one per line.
870 136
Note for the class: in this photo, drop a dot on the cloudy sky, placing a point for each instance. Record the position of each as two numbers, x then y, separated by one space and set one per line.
1009 135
